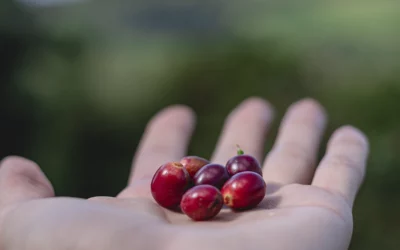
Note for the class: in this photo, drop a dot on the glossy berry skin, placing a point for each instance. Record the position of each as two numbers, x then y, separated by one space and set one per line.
241 163
169 183
202 202
193 164
212 174
244 191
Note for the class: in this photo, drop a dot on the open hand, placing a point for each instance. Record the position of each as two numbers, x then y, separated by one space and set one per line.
308 204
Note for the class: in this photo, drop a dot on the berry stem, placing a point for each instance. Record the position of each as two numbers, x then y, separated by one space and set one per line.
239 150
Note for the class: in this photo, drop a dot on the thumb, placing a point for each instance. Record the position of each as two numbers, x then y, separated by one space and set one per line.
22 180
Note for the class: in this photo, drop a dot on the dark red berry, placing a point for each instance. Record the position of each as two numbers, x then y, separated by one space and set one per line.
169 183
202 202
212 174
241 163
244 191
193 164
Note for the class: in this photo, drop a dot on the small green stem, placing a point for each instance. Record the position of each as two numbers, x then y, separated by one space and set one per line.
239 150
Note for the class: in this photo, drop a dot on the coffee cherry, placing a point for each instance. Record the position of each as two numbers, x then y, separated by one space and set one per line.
169 183
202 202
244 190
241 163
212 174
193 164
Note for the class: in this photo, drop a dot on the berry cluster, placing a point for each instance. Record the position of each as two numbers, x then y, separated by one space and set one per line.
201 188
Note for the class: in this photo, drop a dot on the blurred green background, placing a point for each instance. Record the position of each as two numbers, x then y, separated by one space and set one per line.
80 80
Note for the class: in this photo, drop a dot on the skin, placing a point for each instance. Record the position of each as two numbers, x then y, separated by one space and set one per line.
308 205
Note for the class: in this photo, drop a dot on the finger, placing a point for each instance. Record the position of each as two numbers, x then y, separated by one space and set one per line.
20 180
293 156
166 139
342 169
246 126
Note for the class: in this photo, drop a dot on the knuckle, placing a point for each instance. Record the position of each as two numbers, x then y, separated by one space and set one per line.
295 150
159 149
349 164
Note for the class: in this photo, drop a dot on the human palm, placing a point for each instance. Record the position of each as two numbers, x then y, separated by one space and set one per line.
305 207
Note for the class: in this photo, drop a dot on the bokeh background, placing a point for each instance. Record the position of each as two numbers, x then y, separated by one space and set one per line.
80 79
